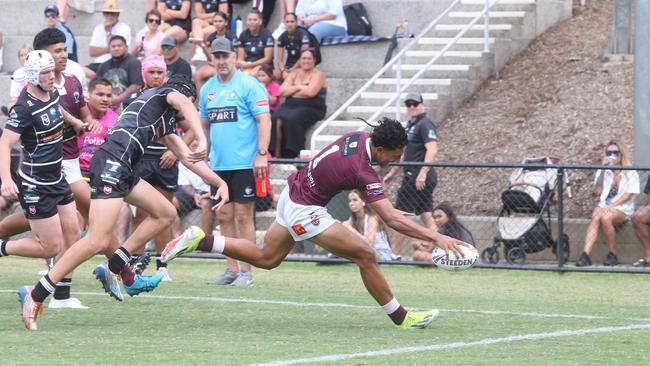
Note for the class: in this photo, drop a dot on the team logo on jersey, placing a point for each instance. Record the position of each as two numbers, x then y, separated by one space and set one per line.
32 209
298 229
351 145
13 119
314 219
269 42
248 191
53 111
432 134
210 97
374 189
77 97
45 119
233 95
108 190
223 114
29 103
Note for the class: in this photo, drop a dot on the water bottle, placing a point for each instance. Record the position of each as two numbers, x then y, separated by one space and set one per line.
407 30
239 26
260 187
141 52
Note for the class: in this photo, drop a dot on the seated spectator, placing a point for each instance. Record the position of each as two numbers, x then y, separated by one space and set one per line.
147 41
52 21
323 18
265 76
616 190
122 70
255 44
286 7
175 63
365 222
103 33
192 193
447 224
304 91
18 80
220 26
293 41
176 17
204 11
641 222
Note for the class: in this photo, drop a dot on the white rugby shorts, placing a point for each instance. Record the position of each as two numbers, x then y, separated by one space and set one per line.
303 222
71 170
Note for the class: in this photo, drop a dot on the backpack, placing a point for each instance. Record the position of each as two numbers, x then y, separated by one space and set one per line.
357 19
313 43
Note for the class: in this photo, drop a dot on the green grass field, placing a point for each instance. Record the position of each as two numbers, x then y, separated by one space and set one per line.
301 313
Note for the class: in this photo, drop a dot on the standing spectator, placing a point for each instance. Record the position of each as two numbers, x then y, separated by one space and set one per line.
102 34
641 222
176 65
293 41
255 44
176 17
616 190
147 41
220 24
323 18
236 108
265 76
447 224
304 90
122 70
204 11
18 80
416 193
52 21
364 221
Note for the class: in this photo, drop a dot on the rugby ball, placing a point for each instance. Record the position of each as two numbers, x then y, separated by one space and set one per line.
449 262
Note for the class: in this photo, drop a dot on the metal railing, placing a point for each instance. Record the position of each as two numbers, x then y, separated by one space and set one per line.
397 59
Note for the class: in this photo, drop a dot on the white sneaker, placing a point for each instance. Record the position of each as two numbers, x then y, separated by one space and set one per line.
278 32
71 303
199 55
165 273
243 280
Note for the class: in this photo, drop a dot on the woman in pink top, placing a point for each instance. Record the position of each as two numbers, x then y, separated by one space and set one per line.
148 39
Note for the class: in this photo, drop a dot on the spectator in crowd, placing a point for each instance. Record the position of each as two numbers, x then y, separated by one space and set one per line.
416 192
236 109
292 41
286 7
448 224
304 91
220 24
323 18
103 33
18 80
365 222
147 41
52 21
192 193
641 222
176 17
265 76
616 190
176 65
204 11
255 44
122 70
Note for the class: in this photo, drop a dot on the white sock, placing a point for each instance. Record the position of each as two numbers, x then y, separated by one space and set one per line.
218 244
391 307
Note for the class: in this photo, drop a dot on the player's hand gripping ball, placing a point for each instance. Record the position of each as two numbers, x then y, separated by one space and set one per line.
449 262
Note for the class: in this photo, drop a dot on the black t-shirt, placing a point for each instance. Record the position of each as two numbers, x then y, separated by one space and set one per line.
186 23
254 46
149 116
211 6
181 67
229 36
40 125
292 44
121 73
419 133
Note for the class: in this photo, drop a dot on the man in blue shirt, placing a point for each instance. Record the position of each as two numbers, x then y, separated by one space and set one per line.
52 21
235 109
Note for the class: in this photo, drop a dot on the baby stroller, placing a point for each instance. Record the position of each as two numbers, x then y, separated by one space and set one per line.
524 221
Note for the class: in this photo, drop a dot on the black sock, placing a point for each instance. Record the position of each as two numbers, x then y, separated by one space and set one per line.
160 264
43 289
3 250
118 260
62 291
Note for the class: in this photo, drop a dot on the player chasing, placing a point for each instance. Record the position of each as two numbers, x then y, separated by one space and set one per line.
301 214
150 115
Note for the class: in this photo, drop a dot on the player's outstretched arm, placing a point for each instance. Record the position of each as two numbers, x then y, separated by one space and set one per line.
182 104
398 221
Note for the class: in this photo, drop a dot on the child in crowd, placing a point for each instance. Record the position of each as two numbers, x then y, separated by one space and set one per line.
265 76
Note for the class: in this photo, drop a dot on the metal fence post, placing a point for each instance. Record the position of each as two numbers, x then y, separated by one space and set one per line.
398 83
486 31
560 218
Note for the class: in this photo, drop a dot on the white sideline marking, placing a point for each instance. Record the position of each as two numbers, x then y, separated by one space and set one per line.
351 306
455 345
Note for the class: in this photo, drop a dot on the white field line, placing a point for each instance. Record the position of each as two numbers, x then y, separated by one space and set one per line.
455 345
351 306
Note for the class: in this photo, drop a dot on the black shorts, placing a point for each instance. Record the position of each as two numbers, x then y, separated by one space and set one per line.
41 201
109 177
151 172
409 199
241 185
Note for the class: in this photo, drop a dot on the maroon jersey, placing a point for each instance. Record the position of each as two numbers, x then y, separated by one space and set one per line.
71 98
343 165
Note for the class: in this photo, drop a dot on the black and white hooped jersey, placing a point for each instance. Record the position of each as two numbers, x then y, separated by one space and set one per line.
146 118
40 125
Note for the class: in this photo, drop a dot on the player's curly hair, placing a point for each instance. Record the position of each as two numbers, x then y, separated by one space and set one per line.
388 133
48 37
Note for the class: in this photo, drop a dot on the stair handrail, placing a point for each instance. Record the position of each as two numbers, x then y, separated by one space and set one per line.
379 73
484 13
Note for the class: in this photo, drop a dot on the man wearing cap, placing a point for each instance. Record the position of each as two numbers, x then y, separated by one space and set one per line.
175 63
102 34
235 109
52 21
416 193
